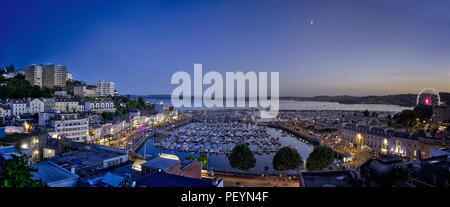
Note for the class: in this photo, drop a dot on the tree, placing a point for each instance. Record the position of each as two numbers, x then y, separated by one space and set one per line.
366 113
17 173
10 68
134 156
203 158
108 116
140 103
242 158
321 157
406 118
423 112
286 159
189 157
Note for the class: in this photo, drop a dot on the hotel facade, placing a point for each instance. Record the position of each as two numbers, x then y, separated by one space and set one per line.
387 140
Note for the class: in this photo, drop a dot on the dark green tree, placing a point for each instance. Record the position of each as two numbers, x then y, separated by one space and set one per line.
203 158
286 159
366 113
423 112
108 116
406 118
321 157
17 173
242 158
190 157
10 68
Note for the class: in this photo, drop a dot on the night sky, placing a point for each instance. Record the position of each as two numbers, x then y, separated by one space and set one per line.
358 47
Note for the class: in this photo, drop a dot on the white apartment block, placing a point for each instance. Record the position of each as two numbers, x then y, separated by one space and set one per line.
71 126
105 88
18 107
162 108
100 106
66 104
49 104
69 76
36 106
5 111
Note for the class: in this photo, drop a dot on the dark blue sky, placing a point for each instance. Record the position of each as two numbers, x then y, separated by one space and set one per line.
358 47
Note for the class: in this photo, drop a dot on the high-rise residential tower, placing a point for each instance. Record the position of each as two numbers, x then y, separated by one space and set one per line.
33 74
54 75
105 88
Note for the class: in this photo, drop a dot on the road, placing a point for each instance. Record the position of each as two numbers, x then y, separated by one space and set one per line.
257 181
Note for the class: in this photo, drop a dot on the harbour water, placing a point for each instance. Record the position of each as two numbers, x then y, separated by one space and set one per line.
220 161
312 105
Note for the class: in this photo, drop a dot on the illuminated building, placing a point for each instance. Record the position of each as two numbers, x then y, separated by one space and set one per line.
71 126
388 140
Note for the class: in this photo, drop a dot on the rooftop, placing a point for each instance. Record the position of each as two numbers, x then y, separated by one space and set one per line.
85 157
160 163
112 179
50 173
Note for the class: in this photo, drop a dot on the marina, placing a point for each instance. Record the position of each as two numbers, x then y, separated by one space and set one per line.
218 139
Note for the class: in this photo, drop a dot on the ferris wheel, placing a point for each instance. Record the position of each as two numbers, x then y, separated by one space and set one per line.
428 96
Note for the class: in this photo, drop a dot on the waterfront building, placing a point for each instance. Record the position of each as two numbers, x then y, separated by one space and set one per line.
388 140
54 175
173 165
162 108
99 106
72 126
105 88
95 131
54 75
66 104
33 74
88 161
